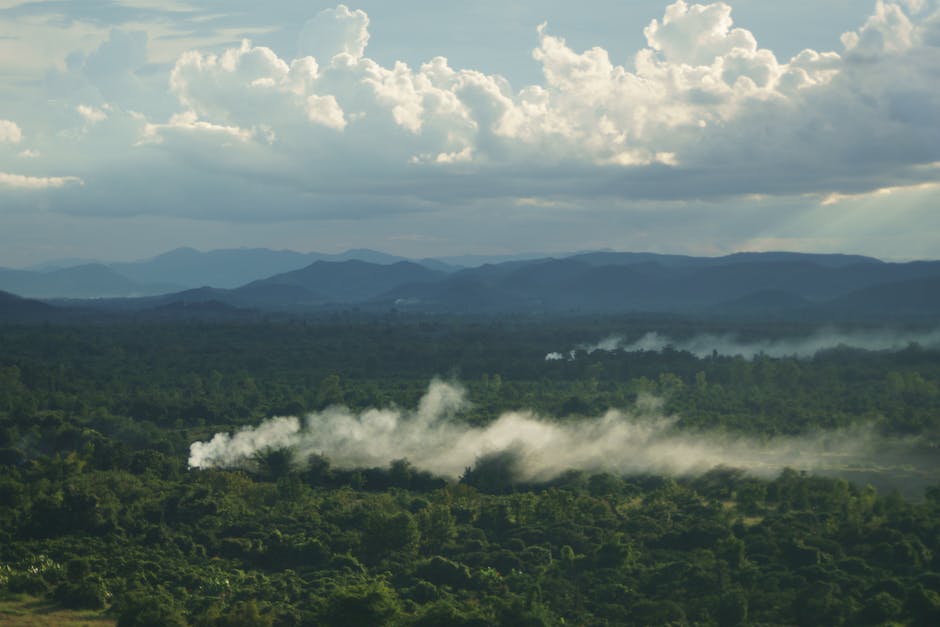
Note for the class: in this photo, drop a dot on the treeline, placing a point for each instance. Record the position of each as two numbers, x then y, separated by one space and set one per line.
181 376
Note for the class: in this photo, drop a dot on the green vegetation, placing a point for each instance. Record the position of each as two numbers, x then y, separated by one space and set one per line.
99 515
22 610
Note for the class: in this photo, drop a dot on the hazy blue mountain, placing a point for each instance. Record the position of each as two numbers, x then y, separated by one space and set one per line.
87 281
319 284
606 258
437 264
60 264
827 260
778 284
357 254
187 267
261 295
474 261
351 281
258 296
578 284
914 297
184 268
232 267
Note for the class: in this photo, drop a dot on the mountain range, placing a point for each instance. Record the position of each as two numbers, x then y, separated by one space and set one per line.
750 284
176 270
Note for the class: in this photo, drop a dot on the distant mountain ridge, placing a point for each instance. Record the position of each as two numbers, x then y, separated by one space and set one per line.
353 280
84 281
777 283
175 270
229 268
185 267
789 284
751 285
608 258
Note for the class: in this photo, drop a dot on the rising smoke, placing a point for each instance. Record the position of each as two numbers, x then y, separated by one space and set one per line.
641 440
706 344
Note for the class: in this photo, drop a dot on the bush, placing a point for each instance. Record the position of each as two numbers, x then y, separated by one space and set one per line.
149 609
367 604
85 595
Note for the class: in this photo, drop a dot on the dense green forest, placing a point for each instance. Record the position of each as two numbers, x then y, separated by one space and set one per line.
99 510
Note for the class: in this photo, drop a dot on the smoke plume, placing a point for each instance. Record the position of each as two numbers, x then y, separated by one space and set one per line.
641 440
706 344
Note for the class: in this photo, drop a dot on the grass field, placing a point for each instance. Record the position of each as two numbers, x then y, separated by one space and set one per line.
21 609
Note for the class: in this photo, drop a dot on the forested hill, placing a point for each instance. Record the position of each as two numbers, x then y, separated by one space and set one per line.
580 285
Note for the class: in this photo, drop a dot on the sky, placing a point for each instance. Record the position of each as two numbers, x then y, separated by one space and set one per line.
424 128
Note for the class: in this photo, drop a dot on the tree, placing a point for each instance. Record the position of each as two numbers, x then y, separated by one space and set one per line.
149 609
373 603
274 463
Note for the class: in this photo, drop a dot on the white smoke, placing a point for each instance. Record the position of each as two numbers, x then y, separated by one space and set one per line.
706 344
232 450
433 439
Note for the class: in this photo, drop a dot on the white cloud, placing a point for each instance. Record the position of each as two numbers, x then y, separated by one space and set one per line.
251 85
10 132
189 123
92 115
914 6
836 198
889 30
333 32
324 110
698 35
24 182
701 112
929 30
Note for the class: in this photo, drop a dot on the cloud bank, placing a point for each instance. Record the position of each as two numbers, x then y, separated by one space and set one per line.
431 438
702 131
702 102
702 111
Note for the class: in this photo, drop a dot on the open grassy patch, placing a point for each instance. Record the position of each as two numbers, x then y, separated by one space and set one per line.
21 609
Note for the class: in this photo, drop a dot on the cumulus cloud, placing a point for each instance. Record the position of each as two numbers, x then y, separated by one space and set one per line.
888 31
10 132
697 35
92 115
114 72
701 112
703 87
333 32
251 85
